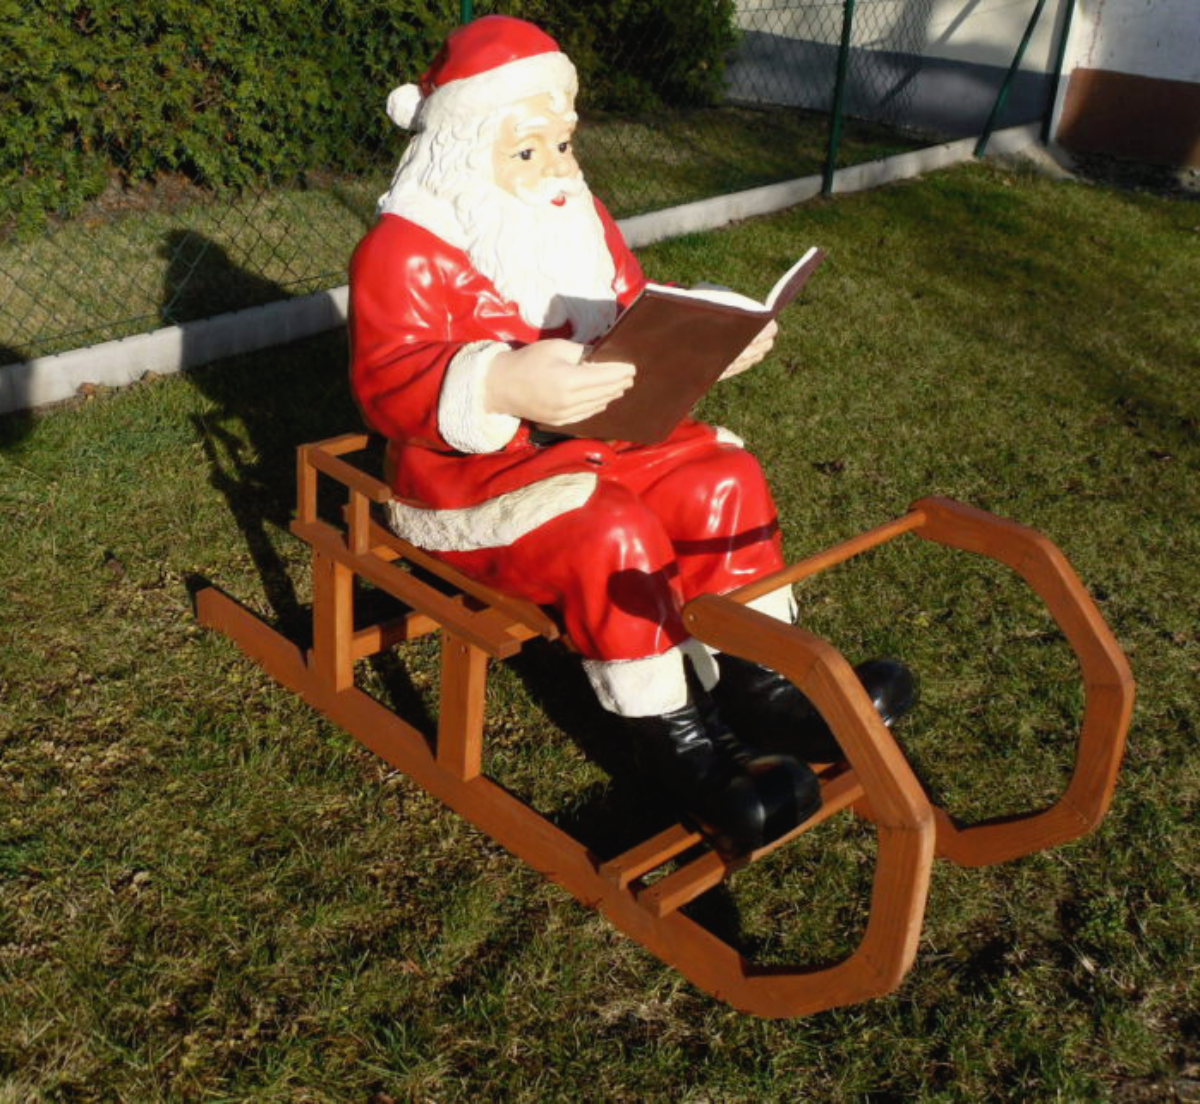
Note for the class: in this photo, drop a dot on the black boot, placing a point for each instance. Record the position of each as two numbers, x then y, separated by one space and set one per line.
737 798
782 719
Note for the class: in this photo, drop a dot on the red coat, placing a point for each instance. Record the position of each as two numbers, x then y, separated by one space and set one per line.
415 301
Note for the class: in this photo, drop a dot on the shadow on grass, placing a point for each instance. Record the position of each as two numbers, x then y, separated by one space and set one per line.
17 425
263 405
1163 180
616 817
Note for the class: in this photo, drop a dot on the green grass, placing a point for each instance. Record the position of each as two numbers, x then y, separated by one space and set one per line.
209 892
136 260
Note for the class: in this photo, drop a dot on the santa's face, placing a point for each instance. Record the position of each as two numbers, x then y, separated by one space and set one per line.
532 158
505 188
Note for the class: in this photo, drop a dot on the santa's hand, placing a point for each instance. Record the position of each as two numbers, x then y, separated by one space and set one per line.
754 352
545 382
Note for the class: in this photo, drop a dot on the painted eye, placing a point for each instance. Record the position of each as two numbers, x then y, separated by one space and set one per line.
563 147
526 155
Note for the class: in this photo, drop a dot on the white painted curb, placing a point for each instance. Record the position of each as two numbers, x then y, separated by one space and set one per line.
710 214
52 379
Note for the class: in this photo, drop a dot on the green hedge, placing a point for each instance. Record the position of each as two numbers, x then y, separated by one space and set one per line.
231 92
638 55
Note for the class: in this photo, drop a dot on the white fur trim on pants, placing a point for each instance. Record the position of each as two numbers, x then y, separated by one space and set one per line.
701 657
646 687
494 523
656 685
463 420
780 604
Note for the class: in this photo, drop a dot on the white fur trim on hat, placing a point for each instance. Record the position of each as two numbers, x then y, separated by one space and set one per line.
402 105
494 523
463 420
646 687
473 97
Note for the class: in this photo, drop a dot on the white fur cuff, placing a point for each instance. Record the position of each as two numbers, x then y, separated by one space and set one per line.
646 687
462 419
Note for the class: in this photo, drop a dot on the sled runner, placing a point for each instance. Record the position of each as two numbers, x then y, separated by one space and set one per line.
477 625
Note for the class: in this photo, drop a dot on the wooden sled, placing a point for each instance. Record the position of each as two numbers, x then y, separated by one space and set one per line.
477 625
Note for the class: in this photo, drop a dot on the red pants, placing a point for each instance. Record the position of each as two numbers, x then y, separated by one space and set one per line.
663 525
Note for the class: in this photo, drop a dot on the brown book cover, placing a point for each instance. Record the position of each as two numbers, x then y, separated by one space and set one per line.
681 340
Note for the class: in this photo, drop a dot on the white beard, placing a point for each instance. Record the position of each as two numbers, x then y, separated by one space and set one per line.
552 262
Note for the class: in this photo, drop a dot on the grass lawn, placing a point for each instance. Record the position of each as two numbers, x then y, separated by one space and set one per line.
208 892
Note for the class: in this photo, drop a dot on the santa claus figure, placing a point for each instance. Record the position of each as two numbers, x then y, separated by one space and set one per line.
473 298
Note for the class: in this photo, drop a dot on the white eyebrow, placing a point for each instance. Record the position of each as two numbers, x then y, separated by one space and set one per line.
539 121
536 123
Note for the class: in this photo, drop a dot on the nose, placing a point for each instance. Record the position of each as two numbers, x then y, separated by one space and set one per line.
561 164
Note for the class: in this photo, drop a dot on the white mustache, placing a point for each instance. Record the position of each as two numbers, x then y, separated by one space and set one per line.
545 191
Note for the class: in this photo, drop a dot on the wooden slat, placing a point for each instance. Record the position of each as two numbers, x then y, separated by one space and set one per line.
373 639
822 561
686 884
342 443
460 722
333 620
649 855
487 629
528 613
375 489
306 487
364 532
358 517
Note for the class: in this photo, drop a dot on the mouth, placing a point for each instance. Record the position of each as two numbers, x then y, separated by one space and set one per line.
559 200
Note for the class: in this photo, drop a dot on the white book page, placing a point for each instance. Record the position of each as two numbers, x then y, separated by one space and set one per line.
714 294
781 283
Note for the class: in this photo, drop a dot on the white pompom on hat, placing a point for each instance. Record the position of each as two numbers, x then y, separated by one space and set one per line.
492 61
402 104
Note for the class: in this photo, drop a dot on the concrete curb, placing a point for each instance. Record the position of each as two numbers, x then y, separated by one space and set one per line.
710 214
51 379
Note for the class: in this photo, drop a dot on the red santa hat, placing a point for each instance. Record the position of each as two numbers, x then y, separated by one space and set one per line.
492 61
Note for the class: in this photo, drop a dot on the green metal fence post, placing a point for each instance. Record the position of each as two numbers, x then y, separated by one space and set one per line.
1002 96
1056 77
839 97
466 11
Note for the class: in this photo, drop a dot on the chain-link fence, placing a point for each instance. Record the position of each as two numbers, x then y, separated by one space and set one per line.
255 169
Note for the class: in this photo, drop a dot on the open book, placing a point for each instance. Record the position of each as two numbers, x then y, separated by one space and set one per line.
681 341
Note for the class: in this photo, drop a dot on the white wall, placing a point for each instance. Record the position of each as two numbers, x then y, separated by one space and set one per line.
987 32
1153 38
975 32
1148 38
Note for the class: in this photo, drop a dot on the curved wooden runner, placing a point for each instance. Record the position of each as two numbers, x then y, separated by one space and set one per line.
478 624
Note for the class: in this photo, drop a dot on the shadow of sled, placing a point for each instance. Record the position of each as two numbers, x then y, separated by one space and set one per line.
478 624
